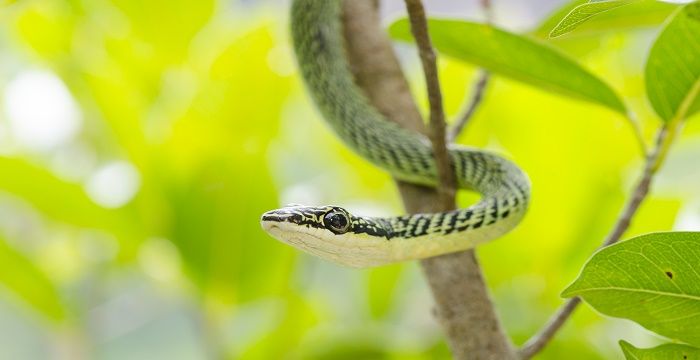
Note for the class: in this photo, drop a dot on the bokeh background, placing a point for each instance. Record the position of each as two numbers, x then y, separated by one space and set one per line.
141 140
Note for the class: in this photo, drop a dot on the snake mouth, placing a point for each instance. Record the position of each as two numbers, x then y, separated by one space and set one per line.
306 242
268 225
287 235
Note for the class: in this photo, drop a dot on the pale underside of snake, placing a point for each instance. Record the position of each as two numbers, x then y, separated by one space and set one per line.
335 234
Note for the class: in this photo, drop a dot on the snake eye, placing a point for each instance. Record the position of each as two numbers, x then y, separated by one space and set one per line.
336 222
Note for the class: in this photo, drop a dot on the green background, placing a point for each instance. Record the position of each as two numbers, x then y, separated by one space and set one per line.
200 102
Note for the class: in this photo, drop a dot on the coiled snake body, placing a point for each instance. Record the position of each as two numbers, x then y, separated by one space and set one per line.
335 234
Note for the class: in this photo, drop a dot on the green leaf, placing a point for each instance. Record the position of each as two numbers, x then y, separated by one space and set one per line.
638 14
552 19
673 68
652 279
582 13
515 56
663 352
23 278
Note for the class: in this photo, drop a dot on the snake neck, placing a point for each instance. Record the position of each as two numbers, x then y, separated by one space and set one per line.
318 41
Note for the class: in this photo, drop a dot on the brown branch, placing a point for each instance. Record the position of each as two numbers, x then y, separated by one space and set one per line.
624 220
446 178
462 301
465 309
470 109
376 68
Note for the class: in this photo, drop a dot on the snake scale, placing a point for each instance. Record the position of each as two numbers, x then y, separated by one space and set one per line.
335 234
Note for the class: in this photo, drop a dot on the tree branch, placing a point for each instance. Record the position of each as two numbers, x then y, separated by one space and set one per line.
465 309
461 296
640 192
470 109
446 178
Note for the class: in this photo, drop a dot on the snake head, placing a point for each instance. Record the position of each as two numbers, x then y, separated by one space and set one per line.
329 232
332 218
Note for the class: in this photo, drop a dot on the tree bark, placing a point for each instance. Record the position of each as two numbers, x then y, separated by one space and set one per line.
463 305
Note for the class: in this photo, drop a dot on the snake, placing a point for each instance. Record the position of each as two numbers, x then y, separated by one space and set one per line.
335 234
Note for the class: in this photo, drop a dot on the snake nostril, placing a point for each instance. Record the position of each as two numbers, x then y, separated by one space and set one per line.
270 217
282 216
277 216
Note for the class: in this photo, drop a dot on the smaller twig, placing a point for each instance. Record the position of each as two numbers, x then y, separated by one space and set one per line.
488 10
470 109
638 135
640 192
419 28
538 342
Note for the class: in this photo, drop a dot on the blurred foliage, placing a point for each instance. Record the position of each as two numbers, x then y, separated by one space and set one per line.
202 98
30 283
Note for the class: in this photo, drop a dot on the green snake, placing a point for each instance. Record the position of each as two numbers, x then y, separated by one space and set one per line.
333 233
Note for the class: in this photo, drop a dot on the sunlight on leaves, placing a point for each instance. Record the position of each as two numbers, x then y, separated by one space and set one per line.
582 13
634 15
515 56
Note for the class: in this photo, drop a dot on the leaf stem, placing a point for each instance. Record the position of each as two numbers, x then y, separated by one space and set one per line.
676 123
639 136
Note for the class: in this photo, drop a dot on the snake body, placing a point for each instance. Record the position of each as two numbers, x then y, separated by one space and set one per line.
335 234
